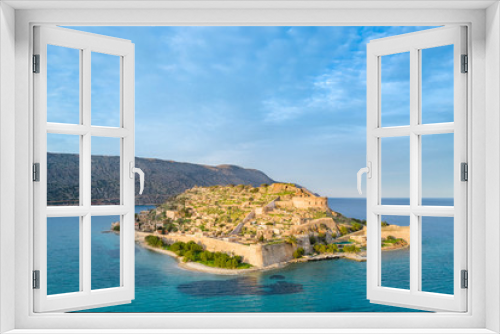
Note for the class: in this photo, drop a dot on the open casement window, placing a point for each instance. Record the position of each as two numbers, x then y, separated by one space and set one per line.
72 136
414 132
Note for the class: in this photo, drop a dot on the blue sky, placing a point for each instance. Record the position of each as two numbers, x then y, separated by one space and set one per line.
289 101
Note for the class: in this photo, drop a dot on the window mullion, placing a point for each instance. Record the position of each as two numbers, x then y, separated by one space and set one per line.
414 171
85 178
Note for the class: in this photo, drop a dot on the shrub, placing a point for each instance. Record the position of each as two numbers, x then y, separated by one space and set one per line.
356 227
332 248
116 228
312 239
179 245
343 230
154 241
384 223
350 249
298 253
196 248
292 240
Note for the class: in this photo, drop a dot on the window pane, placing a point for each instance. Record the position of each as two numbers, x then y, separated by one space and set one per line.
105 171
395 170
63 169
105 90
105 252
395 235
437 84
63 255
437 169
395 89
63 85
437 254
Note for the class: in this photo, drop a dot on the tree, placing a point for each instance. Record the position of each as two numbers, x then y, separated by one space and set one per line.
298 253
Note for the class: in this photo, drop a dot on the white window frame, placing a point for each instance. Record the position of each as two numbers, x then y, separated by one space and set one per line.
413 43
484 147
86 44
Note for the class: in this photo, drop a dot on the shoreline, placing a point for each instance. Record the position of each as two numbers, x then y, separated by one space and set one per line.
196 266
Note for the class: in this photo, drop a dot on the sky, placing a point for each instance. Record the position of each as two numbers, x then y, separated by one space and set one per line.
289 101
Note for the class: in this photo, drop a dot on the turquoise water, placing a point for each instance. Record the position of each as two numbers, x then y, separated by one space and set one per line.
324 286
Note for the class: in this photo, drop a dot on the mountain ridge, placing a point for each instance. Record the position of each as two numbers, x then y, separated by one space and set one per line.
164 178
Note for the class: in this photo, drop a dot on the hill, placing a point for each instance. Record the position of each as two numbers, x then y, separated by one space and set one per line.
163 178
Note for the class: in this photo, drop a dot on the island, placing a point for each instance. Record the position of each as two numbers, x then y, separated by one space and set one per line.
235 229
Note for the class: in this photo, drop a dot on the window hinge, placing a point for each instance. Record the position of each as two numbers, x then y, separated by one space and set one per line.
36 172
464 167
465 279
465 64
36 63
36 279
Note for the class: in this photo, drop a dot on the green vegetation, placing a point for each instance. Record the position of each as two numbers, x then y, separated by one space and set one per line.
384 223
350 249
192 252
392 241
154 241
116 228
330 248
344 230
292 240
356 227
298 253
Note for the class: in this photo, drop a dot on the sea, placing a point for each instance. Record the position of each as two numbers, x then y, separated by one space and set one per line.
322 286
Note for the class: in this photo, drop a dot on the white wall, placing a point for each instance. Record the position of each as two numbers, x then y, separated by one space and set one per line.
7 160
492 164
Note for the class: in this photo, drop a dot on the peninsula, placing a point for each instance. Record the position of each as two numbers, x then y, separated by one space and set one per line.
240 228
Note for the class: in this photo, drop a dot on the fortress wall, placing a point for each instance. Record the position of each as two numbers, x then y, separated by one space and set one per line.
257 255
309 202
251 254
272 254
284 204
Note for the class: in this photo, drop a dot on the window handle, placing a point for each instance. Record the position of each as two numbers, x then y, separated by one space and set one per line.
139 171
368 171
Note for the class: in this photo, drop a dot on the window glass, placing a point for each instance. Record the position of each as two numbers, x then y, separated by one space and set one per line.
105 171
395 243
63 169
63 255
395 89
395 170
437 84
63 85
105 252
105 88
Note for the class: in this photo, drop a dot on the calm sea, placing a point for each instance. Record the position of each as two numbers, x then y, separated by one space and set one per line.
325 286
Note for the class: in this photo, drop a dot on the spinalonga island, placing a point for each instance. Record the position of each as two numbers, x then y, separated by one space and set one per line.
237 229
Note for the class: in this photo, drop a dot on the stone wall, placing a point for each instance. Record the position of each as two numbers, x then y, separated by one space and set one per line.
257 255
310 202
250 253
272 254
